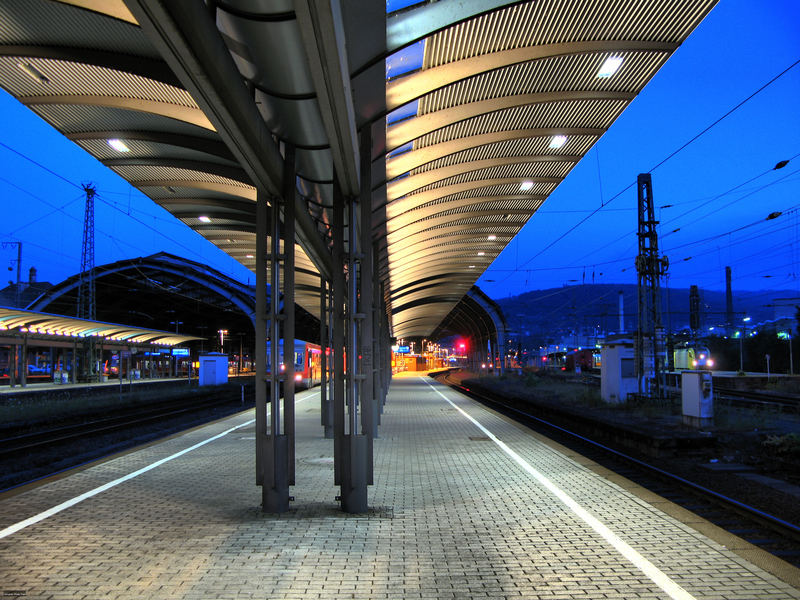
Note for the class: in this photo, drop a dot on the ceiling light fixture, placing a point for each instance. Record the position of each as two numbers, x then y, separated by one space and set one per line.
118 145
481 253
558 141
610 66
33 72
491 237
525 186
204 219
248 256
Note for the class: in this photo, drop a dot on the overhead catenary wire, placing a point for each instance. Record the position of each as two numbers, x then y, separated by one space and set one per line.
111 204
713 237
663 161
628 234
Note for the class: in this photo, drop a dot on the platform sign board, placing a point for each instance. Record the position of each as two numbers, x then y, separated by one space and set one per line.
180 352
404 350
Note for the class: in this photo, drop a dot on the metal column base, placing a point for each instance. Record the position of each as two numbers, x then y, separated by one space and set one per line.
275 479
327 418
354 474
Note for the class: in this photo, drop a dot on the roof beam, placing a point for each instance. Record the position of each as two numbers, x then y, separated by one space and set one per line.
323 35
492 249
448 266
442 232
144 66
238 227
246 192
397 165
411 129
227 171
406 185
438 193
187 37
201 144
455 252
406 209
428 300
238 204
220 213
187 114
408 88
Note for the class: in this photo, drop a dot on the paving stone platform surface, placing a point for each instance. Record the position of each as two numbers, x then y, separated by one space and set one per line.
457 511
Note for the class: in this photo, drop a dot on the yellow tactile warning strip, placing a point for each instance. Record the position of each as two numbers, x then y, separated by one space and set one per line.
452 515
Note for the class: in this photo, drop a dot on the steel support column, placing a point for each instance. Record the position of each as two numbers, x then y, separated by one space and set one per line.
275 489
23 362
74 377
326 404
356 445
377 338
387 342
12 366
289 191
331 379
366 339
337 327
262 232
350 447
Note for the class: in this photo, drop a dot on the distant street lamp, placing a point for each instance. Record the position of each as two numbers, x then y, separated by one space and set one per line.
787 335
741 343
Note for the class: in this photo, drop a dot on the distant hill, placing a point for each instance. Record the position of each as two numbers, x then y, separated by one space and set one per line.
581 308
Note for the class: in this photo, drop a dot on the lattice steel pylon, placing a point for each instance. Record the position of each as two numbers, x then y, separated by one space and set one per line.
650 268
87 300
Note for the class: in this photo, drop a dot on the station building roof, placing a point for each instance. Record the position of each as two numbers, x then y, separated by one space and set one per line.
477 110
18 322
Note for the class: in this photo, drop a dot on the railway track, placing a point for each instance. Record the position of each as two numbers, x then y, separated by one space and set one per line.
39 453
132 418
766 531
748 398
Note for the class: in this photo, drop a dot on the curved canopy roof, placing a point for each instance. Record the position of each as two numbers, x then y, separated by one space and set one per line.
18 321
489 104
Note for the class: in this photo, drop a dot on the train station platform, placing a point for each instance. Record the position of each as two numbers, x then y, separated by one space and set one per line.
466 504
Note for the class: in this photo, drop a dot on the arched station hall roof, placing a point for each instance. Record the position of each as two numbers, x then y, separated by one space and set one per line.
476 316
478 109
160 289
37 325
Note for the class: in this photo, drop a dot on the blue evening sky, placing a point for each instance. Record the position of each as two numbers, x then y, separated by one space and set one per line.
740 47
737 49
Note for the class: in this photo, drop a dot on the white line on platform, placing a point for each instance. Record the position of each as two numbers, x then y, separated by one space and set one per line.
12 529
640 562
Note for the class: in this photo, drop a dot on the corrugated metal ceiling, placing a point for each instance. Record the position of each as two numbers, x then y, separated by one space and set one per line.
483 107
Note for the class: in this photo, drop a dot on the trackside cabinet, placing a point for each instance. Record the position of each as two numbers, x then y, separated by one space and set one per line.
213 368
697 394
617 370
